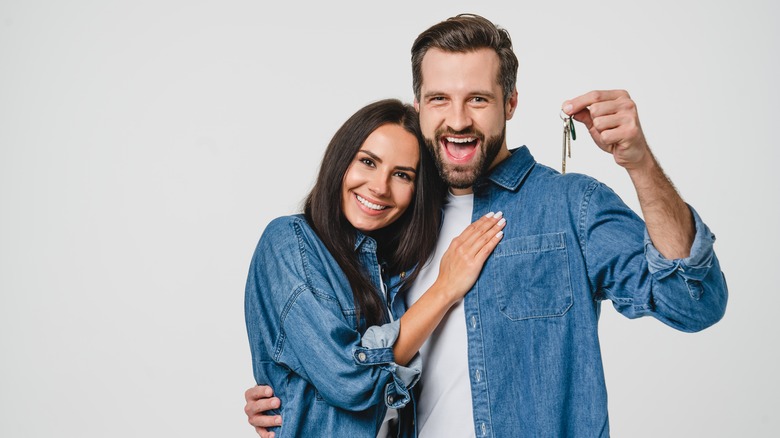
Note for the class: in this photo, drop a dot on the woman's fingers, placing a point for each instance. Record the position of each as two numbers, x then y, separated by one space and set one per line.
463 261
481 232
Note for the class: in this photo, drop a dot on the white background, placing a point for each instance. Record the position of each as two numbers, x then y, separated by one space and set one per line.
144 145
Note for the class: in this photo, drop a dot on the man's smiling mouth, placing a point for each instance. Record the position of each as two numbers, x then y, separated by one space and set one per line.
460 148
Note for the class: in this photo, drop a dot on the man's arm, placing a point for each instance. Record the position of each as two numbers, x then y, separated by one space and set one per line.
260 399
612 120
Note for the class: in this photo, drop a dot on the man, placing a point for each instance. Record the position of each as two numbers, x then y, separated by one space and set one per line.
519 356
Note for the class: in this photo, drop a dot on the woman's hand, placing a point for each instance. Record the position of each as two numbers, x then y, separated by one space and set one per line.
460 266
463 261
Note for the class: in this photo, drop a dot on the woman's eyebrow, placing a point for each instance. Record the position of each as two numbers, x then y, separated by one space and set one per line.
379 160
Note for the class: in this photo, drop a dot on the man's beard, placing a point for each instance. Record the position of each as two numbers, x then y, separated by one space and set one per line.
459 176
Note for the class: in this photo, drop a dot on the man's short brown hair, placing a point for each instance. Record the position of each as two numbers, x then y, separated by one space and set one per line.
467 33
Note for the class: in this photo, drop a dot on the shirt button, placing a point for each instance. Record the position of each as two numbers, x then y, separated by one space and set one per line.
403 275
362 356
390 399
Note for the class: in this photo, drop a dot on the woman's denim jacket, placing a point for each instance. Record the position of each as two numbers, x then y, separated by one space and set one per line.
334 379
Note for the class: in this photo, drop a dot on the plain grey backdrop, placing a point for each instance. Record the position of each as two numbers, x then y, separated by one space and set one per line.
144 145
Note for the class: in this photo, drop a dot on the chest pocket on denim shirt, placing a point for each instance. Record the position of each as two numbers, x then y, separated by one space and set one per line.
531 275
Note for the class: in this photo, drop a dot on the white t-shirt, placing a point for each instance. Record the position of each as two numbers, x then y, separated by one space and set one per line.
445 407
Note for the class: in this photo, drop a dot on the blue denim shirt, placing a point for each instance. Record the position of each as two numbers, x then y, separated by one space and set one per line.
532 317
334 378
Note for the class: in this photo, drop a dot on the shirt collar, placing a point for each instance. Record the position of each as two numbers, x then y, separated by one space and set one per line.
511 172
362 240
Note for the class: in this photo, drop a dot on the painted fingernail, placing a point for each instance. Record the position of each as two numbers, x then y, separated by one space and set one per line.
502 221
499 234
499 214
491 214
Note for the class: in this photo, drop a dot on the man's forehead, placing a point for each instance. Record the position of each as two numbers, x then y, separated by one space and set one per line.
478 68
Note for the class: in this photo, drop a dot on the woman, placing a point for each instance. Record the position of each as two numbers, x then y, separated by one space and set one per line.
325 289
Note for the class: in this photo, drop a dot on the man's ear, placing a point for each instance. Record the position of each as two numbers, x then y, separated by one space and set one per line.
511 105
416 105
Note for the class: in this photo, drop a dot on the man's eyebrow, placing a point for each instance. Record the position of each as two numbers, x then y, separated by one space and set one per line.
433 93
485 93
379 160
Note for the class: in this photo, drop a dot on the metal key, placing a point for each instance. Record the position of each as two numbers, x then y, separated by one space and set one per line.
568 135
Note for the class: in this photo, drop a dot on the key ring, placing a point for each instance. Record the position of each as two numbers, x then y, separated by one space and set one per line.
568 135
565 116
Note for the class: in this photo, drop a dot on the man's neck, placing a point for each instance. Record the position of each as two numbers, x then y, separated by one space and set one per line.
461 192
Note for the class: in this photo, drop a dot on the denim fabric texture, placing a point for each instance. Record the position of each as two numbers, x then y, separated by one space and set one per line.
307 344
532 317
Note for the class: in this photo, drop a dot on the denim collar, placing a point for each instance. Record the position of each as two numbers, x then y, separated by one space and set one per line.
364 242
511 172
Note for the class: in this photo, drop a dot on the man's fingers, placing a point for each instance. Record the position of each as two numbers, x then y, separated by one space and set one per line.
263 421
264 433
618 106
260 406
257 392
609 122
260 400
574 106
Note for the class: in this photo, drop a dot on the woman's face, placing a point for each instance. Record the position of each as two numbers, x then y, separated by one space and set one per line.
379 184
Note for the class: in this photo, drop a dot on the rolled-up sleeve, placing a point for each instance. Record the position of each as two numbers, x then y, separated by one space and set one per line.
700 273
693 267
377 349
689 294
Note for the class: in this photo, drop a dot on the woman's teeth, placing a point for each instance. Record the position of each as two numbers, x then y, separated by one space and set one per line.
370 205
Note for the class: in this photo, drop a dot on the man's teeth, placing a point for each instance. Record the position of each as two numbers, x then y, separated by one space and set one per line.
370 205
461 139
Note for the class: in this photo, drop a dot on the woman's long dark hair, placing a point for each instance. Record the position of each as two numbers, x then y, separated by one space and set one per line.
407 242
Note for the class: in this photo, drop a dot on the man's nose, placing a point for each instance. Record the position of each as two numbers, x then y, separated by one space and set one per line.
459 118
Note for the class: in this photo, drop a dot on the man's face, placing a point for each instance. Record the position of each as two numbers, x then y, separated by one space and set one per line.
463 114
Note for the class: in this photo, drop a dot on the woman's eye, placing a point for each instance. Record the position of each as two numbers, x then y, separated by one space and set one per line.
403 175
367 162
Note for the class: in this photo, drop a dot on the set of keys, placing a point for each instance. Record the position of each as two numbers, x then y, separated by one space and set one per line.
568 135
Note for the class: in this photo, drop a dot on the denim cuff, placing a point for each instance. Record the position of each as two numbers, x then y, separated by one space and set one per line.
377 349
693 267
